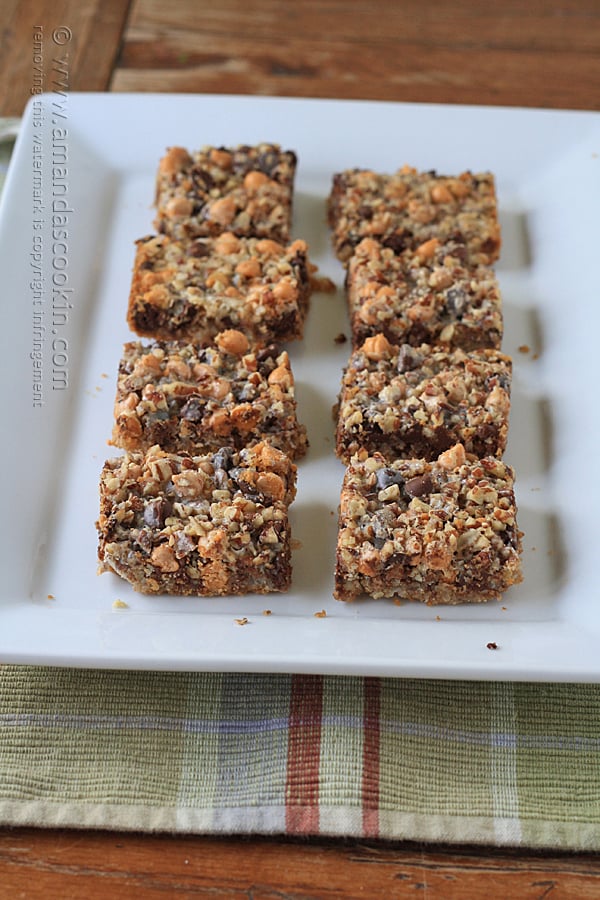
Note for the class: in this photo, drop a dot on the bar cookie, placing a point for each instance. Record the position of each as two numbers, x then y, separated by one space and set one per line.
404 401
193 290
193 400
407 208
427 295
198 525
243 189
441 532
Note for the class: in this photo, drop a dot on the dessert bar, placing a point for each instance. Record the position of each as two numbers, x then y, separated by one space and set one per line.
198 525
405 401
441 532
193 290
427 295
246 190
407 208
194 400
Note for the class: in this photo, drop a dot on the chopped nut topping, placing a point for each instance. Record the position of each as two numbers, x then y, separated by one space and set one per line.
416 297
233 285
199 525
447 550
419 402
196 399
245 189
409 209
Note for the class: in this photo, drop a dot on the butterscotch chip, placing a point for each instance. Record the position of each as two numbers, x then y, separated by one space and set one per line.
420 401
409 208
417 530
197 525
191 399
246 190
414 298
196 290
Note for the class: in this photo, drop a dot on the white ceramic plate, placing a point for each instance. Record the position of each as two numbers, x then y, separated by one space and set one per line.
97 155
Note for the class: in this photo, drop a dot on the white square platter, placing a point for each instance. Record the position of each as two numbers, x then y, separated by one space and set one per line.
98 153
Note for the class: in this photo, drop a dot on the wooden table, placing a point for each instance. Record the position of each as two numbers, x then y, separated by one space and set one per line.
541 53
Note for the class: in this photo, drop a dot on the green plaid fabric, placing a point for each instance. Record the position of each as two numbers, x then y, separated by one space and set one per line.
480 762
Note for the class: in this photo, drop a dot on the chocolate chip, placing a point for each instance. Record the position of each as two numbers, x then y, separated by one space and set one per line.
159 415
300 268
501 379
221 479
156 511
193 409
202 179
408 358
387 476
267 353
510 538
456 300
418 486
340 180
268 161
205 355
199 249
223 458
144 540
380 532
398 241
365 212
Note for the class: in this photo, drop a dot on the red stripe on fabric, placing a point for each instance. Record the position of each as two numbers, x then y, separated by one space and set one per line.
304 755
371 757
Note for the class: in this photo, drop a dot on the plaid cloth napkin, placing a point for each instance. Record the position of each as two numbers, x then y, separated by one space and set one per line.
478 762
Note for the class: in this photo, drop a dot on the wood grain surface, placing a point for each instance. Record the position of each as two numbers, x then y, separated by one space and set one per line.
67 864
544 54
87 57
532 54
